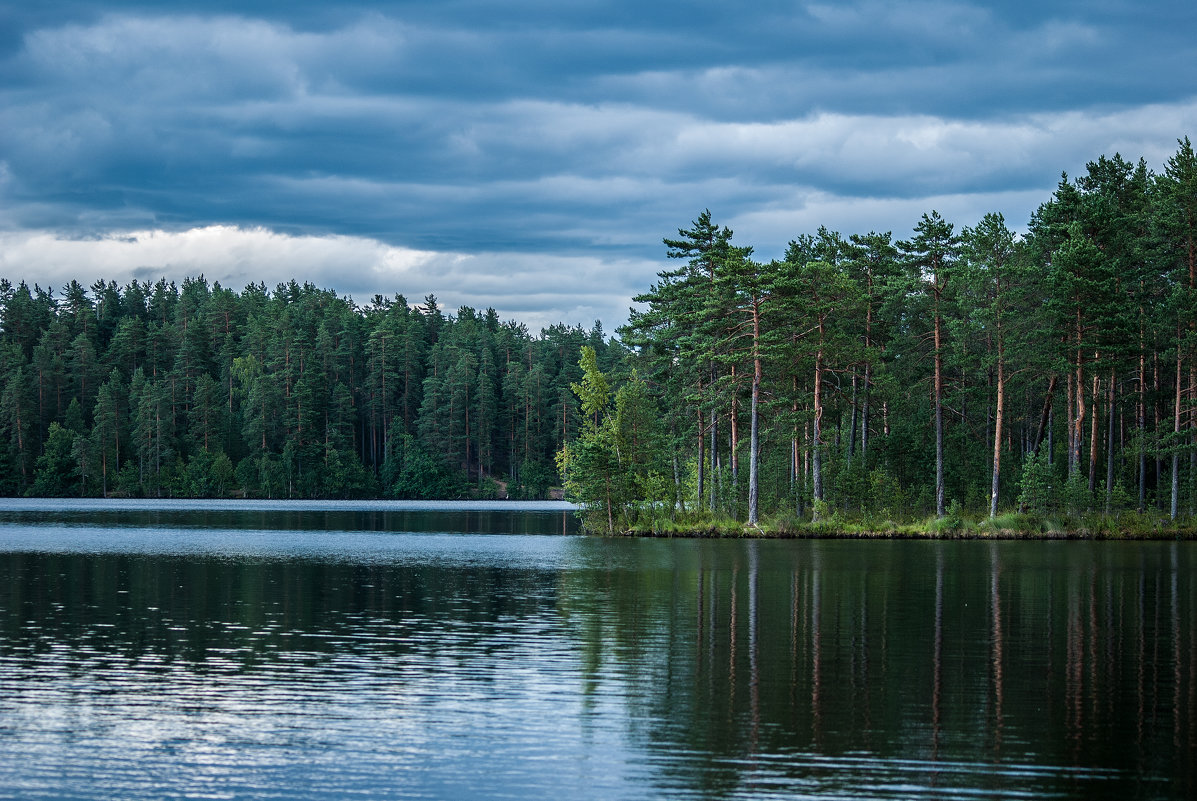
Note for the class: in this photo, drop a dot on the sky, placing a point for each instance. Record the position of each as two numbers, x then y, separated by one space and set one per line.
530 155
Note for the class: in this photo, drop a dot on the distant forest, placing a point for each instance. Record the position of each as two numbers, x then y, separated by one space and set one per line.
157 390
862 376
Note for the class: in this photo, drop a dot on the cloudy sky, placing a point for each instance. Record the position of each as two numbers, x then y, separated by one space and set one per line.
531 154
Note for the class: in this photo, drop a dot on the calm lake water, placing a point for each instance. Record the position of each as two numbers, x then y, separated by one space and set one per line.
227 650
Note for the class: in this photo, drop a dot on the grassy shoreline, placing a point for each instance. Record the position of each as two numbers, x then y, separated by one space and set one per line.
1181 535
1004 527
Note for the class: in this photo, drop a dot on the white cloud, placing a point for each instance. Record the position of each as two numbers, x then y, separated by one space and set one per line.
192 56
930 149
535 289
804 211
521 158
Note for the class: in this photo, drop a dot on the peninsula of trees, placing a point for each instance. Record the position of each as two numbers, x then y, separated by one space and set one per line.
882 379
867 375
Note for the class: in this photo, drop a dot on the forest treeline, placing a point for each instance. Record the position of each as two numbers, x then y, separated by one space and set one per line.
863 376
885 379
159 390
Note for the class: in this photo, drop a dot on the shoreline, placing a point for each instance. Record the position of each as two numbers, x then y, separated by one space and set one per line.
997 535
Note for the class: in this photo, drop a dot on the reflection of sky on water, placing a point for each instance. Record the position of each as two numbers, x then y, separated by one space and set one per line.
66 505
408 548
258 524
438 719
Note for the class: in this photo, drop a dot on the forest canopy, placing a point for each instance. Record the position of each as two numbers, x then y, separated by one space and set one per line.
198 391
862 374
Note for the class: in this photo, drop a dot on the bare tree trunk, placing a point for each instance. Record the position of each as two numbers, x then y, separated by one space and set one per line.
852 428
1078 433
677 483
997 434
805 457
753 445
940 508
754 439
702 452
1141 422
795 492
1159 464
734 433
1093 438
1045 416
714 433
1175 509
1110 444
864 416
1068 423
817 442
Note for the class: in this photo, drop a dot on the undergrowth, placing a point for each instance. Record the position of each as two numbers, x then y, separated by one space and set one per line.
955 524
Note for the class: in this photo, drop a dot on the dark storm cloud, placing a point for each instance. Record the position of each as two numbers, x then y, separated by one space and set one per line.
510 135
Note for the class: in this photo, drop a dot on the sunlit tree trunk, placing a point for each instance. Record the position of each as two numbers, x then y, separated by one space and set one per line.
754 438
997 432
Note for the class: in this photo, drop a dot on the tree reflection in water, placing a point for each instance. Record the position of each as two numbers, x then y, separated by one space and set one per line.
724 668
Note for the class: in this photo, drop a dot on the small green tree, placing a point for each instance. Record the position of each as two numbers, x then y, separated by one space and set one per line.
589 465
614 467
1037 491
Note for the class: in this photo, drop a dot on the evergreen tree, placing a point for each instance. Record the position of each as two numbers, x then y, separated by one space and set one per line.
930 257
996 279
109 418
18 412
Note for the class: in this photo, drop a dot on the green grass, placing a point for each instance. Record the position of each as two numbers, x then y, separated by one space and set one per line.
957 524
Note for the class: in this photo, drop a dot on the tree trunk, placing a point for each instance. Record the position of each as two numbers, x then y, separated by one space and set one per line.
795 454
1078 432
1045 416
677 483
714 479
1110 444
997 434
753 445
940 508
817 441
754 439
852 427
1093 437
1175 509
734 436
1141 422
702 452
1155 379
864 416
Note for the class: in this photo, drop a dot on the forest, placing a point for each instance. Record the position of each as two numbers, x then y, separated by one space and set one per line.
157 390
872 379
860 377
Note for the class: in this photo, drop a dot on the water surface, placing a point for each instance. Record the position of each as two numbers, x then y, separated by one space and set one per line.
318 651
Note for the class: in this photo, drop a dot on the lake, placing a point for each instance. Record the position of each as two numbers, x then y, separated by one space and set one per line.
417 651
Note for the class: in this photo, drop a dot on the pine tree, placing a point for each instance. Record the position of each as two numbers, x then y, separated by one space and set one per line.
109 418
18 414
997 280
930 257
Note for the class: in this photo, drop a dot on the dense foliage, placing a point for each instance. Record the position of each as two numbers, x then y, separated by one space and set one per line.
858 376
200 391
884 380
